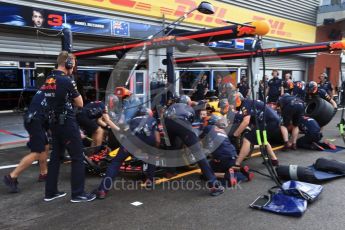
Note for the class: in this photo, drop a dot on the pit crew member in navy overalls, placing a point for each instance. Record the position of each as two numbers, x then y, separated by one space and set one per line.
274 89
178 120
292 110
272 120
143 134
35 122
62 96
94 119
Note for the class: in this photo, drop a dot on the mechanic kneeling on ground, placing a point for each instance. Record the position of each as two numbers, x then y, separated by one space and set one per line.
35 122
94 119
271 119
178 120
223 152
312 136
292 110
233 119
143 131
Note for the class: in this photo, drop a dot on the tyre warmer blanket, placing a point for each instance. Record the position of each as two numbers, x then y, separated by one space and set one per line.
322 170
289 200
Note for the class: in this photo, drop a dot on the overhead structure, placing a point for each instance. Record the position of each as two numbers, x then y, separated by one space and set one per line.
216 34
288 50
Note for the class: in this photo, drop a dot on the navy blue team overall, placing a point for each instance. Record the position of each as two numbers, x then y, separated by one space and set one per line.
178 121
311 130
35 122
130 107
200 90
223 152
60 91
320 93
88 116
292 109
287 87
243 88
261 89
299 90
271 118
274 92
143 128
327 86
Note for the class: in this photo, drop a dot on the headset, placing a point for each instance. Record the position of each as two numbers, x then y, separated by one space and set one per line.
69 63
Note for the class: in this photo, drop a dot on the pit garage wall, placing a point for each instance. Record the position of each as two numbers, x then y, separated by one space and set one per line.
326 60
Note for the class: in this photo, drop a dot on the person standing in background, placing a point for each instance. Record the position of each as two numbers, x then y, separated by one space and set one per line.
201 89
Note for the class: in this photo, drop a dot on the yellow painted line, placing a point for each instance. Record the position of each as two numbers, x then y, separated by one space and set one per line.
175 177
256 154
162 180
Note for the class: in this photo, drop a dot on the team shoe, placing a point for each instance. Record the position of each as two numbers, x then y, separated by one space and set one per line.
84 197
42 177
55 196
100 194
11 183
245 171
316 146
216 189
328 145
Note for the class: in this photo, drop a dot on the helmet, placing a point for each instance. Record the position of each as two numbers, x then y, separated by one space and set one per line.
223 103
184 99
144 111
111 101
219 121
300 85
289 84
312 87
228 85
122 92
238 99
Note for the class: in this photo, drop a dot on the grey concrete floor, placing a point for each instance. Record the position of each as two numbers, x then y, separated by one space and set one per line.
168 208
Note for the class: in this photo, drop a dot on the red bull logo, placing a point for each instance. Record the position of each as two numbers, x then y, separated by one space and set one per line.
244 30
50 81
48 87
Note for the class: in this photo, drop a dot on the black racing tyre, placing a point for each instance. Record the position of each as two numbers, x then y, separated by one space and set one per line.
321 110
294 172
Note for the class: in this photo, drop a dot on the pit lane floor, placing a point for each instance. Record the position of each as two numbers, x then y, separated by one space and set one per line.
167 206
